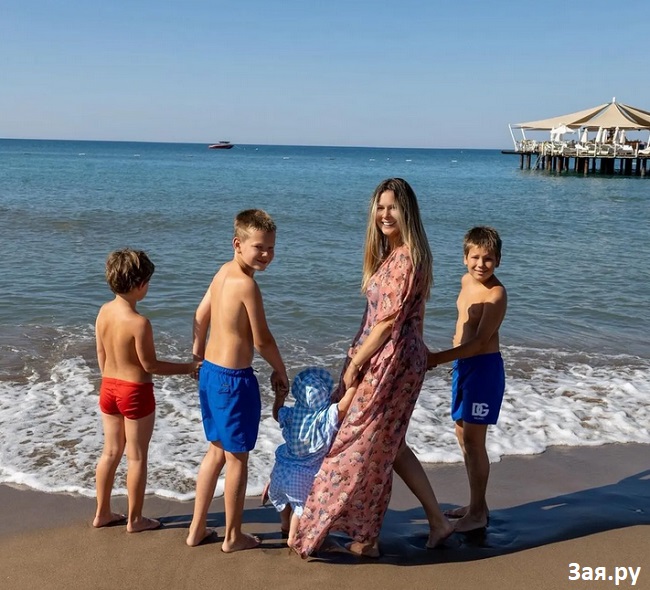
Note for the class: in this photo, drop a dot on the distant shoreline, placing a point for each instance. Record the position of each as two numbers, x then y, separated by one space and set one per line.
241 144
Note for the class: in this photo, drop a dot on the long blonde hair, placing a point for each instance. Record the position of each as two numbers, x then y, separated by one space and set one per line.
411 229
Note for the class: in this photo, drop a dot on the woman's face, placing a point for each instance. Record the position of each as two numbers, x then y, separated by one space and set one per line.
388 217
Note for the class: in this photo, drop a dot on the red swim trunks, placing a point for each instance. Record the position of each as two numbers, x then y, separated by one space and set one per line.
132 400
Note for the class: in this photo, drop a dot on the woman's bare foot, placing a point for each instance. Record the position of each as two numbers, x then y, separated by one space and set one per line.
438 535
111 519
194 540
456 512
142 524
364 549
245 541
469 523
293 551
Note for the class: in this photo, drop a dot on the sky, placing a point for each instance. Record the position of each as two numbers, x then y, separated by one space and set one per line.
396 73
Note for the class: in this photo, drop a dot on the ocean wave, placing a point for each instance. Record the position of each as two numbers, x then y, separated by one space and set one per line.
52 424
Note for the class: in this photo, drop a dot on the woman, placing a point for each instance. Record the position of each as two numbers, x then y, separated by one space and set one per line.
388 357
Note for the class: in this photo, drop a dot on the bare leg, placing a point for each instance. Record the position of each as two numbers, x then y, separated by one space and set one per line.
477 464
293 528
206 482
112 452
463 510
138 436
285 520
265 493
234 496
412 473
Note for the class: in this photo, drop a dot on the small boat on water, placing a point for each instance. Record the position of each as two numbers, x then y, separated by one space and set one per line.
222 145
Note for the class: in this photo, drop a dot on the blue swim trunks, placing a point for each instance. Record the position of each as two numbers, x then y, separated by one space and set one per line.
477 388
231 406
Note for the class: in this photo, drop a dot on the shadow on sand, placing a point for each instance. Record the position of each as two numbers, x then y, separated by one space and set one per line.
569 516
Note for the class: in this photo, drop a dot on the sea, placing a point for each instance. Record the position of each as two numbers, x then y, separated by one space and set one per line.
575 264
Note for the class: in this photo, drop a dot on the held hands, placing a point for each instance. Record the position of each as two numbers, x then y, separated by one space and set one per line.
280 383
351 375
194 372
432 360
280 386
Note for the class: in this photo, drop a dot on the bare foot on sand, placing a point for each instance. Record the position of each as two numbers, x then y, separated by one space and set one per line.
143 524
438 536
469 523
245 541
293 551
194 540
364 549
462 512
456 512
108 520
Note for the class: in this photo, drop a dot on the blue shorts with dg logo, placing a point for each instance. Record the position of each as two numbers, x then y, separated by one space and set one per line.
230 406
477 388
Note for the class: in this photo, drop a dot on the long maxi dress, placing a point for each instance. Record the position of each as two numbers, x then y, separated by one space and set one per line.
352 489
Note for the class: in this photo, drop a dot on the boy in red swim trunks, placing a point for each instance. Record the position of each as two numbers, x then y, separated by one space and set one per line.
478 378
127 359
233 313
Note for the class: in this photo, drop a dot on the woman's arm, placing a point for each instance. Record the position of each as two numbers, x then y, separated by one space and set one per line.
375 340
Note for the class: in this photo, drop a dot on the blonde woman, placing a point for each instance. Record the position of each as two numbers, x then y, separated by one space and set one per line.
388 357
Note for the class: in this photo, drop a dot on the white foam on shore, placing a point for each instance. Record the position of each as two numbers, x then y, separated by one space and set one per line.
52 436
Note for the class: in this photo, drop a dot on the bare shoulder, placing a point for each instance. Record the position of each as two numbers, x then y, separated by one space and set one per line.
497 291
102 312
234 282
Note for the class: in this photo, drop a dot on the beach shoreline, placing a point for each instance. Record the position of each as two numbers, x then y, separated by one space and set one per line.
585 505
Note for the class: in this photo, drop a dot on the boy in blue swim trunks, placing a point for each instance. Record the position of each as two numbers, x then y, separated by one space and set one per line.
478 380
233 313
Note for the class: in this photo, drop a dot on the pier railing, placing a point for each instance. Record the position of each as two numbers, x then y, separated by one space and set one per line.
559 156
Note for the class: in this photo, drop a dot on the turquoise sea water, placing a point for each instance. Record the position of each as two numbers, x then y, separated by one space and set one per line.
574 262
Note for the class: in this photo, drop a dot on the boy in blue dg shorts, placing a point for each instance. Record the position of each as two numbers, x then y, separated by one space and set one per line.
477 387
478 378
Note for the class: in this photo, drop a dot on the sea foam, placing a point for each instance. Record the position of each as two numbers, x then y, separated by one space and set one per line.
52 424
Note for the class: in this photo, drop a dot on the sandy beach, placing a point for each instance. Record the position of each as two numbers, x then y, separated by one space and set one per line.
589 506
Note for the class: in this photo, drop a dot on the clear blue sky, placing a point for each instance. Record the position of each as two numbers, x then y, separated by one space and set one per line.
401 73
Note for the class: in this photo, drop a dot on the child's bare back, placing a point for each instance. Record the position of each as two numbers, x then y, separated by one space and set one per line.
120 329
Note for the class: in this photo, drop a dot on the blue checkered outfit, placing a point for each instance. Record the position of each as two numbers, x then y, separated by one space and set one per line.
308 428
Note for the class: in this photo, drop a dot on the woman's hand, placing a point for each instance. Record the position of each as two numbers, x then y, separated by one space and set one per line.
351 374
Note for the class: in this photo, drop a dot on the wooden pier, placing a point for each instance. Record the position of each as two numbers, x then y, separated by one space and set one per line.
568 159
609 152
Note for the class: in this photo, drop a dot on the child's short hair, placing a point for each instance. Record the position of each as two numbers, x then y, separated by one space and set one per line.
483 237
252 220
127 269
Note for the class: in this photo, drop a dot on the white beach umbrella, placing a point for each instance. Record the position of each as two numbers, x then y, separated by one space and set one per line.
599 135
585 136
559 131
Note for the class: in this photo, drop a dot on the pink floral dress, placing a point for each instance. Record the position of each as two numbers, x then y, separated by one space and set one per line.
352 489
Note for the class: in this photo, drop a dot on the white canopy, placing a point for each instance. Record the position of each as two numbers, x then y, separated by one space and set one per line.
607 115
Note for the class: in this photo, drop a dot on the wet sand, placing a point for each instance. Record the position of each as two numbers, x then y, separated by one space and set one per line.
588 505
